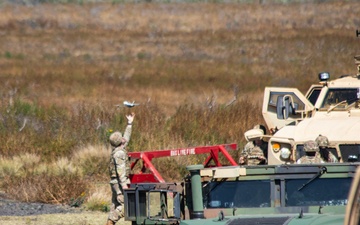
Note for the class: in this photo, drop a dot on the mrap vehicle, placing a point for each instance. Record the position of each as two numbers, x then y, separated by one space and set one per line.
330 108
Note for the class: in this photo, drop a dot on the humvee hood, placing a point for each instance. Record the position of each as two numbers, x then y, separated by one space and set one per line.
334 128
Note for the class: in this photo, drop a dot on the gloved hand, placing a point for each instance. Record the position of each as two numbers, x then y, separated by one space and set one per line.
130 118
242 160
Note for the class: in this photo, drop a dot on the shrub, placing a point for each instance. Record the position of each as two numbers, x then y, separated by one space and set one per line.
63 167
29 161
46 188
9 167
99 199
19 165
92 159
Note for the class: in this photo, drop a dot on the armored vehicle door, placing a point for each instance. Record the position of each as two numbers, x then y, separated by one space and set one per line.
283 106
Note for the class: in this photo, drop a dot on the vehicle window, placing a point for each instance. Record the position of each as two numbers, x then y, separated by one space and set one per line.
239 194
337 95
314 96
350 153
300 152
324 153
274 96
321 191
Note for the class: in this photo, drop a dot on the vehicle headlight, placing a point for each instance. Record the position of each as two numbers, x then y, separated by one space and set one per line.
285 153
275 147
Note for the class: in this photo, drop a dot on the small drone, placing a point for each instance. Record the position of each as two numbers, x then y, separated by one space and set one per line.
130 104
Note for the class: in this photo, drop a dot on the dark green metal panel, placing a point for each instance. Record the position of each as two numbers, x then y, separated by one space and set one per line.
293 194
306 219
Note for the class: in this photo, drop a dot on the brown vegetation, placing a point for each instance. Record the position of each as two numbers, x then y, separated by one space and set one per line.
64 68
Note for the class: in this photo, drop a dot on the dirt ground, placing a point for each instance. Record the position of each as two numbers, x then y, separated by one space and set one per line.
15 212
21 213
85 218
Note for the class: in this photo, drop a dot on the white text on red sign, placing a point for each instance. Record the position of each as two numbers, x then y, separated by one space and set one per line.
185 151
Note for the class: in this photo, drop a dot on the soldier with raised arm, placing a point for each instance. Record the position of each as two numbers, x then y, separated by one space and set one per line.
118 171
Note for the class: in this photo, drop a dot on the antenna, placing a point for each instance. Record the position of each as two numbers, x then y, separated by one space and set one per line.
357 58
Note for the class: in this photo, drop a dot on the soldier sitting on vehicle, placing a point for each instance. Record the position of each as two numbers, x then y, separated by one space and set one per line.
323 143
312 154
255 151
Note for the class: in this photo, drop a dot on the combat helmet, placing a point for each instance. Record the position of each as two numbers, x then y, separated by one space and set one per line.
254 134
322 141
115 138
311 146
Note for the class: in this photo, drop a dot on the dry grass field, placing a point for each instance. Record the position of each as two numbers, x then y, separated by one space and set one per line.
170 53
64 67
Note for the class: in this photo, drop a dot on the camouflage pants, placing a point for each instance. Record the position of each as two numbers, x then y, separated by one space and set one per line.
117 204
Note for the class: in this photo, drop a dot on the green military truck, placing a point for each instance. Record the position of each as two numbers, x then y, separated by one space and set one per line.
266 194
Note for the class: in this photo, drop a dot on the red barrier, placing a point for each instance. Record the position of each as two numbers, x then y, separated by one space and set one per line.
155 176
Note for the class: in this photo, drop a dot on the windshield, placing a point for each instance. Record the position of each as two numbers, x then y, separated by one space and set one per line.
324 152
322 191
350 153
336 95
239 194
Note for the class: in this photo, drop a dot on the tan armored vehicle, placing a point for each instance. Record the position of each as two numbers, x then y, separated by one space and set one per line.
330 108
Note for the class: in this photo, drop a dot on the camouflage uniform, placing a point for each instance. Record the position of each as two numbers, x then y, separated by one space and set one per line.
118 171
312 154
255 154
323 143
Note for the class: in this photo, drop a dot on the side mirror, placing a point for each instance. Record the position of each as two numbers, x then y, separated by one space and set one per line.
284 106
